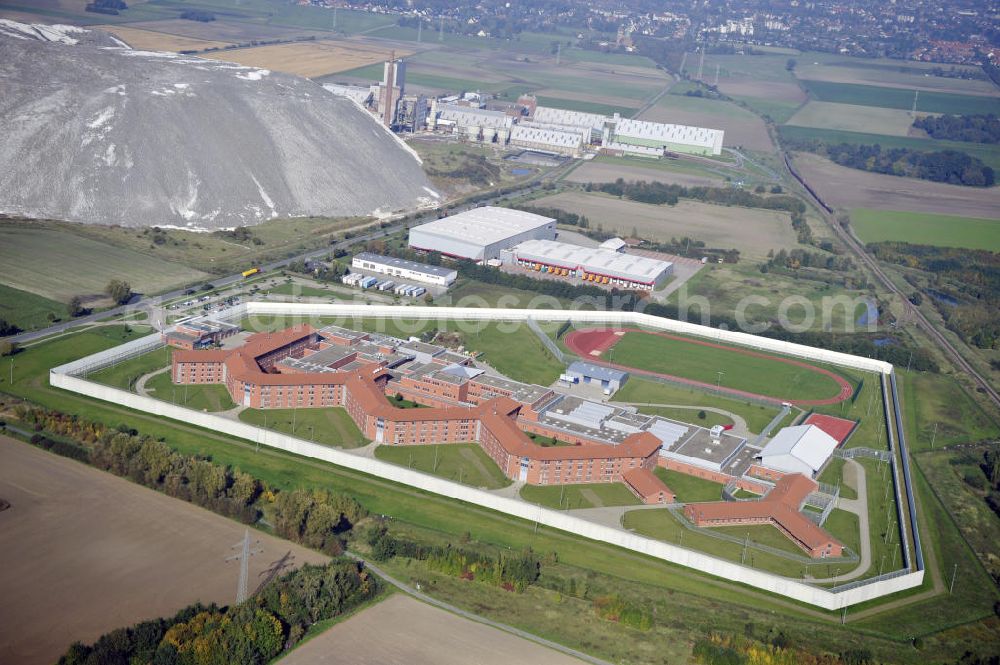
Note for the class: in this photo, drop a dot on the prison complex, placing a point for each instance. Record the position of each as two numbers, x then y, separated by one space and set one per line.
304 367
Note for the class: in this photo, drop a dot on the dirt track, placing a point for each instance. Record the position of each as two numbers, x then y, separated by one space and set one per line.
84 552
404 631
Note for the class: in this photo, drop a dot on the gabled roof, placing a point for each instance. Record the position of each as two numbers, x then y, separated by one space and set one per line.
800 449
645 483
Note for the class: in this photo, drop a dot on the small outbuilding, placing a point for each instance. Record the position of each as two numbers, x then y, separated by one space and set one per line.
609 378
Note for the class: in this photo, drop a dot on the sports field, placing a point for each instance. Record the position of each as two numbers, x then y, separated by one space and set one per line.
712 365
927 229
309 58
155 40
853 118
752 231
900 98
465 463
85 552
330 426
59 265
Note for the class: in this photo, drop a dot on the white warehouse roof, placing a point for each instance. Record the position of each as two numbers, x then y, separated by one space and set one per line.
467 115
801 449
469 234
553 116
593 260
657 131
550 137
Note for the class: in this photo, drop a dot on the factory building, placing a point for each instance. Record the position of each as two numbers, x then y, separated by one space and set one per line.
592 264
475 124
391 89
409 271
675 138
548 139
480 233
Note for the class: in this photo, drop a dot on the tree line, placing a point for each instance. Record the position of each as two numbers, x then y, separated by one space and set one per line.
949 166
801 258
970 128
659 193
258 630
513 571
314 518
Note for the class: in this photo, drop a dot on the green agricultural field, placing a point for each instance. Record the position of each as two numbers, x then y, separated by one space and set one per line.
642 391
330 426
698 603
986 153
125 374
584 495
939 411
211 397
926 229
777 110
853 118
465 463
689 489
28 311
900 98
698 362
58 265
586 107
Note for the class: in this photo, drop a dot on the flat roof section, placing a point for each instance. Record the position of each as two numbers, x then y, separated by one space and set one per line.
597 371
593 260
485 226
403 264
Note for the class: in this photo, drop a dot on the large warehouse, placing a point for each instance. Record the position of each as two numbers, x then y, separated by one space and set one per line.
479 234
592 264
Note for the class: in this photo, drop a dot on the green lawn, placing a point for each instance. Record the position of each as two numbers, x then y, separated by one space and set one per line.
711 418
124 374
833 474
583 495
29 311
662 525
296 289
900 98
927 229
643 391
204 397
465 463
691 360
689 489
330 426
699 603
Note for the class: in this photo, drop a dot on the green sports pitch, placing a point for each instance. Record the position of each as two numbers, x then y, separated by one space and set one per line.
728 367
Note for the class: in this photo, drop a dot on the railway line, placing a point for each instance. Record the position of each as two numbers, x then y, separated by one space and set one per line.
911 309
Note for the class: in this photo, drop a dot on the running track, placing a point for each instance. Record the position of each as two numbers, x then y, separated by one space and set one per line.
591 343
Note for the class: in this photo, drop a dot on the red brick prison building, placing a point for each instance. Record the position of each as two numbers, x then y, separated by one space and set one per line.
782 507
303 367
199 334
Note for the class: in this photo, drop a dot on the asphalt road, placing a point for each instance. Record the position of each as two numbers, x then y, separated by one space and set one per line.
140 303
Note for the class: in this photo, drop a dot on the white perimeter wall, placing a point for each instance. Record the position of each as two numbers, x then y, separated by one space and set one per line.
62 377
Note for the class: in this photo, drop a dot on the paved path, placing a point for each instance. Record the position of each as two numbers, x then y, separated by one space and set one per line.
739 423
140 385
611 516
854 476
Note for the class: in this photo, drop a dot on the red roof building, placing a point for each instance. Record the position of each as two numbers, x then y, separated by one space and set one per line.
782 507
